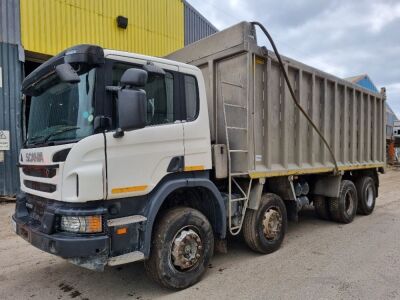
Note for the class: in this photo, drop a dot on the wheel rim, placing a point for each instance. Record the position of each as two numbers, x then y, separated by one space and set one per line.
272 223
370 196
186 249
349 203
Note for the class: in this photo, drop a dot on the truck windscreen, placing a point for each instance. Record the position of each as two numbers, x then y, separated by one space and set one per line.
63 111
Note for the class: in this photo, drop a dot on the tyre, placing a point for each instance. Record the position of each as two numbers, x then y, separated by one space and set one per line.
321 206
366 192
344 208
182 247
264 229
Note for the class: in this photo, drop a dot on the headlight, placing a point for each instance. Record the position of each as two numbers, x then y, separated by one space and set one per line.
81 224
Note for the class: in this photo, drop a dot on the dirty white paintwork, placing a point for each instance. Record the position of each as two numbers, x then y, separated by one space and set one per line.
136 162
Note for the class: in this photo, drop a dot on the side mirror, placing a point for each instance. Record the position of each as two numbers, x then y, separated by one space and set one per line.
67 74
134 77
132 104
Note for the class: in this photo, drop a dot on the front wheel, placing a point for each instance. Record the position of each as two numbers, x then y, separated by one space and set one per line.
265 228
182 247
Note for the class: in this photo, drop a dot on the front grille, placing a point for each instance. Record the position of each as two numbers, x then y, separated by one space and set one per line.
38 171
40 186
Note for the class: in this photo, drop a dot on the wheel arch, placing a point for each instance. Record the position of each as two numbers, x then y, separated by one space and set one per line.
213 208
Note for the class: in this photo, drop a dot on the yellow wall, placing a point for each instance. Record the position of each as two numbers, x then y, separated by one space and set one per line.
155 27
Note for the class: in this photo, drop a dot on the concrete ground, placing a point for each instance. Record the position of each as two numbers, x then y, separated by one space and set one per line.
318 260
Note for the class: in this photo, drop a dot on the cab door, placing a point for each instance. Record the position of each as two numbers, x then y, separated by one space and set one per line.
196 126
138 161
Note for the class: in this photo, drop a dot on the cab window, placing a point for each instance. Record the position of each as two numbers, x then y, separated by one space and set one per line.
191 97
160 95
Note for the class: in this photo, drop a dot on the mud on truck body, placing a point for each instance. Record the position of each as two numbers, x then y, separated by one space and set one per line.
130 157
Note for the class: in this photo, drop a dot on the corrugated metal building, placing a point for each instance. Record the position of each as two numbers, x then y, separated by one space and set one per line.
11 72
196 26
365 81
31 31
390 119
154 27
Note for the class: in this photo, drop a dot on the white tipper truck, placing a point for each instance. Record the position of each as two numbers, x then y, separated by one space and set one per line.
130 157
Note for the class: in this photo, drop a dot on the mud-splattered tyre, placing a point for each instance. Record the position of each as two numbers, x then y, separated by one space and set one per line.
366 192
182 247
264 229
344 208
321 206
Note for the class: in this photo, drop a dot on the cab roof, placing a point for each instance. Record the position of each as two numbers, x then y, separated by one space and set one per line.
109 52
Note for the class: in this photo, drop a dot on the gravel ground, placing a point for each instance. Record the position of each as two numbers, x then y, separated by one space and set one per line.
318 260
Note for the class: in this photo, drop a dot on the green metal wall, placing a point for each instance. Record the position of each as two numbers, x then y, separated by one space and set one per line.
11 72
10 115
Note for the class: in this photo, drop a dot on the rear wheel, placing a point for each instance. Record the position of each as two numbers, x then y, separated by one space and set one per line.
321 206
366 192
264 229
344 208
182 247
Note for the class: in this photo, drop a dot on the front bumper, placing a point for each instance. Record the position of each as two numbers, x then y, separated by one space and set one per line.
60 244
36 220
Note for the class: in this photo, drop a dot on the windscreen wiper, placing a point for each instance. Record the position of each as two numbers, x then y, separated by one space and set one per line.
45 138
59 132
32 139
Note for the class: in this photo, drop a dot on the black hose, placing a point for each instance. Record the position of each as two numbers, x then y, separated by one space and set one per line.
293 94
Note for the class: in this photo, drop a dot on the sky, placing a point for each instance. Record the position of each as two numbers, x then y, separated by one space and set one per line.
344 38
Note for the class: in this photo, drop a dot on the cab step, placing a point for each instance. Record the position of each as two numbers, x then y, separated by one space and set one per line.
125 258
126 220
